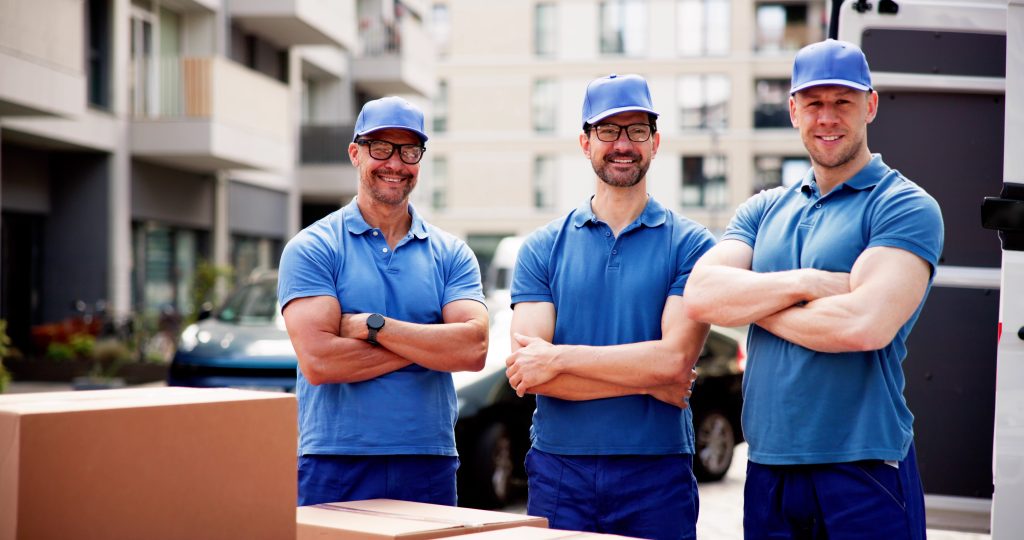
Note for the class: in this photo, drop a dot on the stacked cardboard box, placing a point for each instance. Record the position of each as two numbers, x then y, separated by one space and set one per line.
148 463
390 519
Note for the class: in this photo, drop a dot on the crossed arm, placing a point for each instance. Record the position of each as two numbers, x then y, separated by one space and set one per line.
331 347
661 368
824 311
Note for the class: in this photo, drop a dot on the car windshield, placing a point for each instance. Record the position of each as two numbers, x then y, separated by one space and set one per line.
253 303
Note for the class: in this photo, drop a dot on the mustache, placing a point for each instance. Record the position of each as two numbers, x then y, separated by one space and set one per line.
623 155
392 172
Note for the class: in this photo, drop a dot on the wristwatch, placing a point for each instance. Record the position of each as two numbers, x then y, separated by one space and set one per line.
373 325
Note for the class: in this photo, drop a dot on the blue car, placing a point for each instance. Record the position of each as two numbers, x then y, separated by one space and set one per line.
243 344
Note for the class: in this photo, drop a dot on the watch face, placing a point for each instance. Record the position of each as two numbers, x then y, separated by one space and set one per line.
375 321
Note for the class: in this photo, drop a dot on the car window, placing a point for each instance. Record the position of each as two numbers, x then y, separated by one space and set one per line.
253 303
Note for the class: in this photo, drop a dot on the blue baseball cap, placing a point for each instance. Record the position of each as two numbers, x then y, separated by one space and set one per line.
389 112
831 62
616 94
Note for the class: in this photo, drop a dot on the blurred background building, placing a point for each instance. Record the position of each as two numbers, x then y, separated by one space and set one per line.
142 139
511 78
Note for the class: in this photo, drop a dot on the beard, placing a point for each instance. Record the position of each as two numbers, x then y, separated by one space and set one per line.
606 170
386 192
836 158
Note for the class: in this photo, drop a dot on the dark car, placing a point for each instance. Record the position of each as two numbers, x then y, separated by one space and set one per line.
242 344
493 431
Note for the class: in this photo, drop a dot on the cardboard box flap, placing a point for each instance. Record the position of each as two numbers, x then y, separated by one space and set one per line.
435 513
63 402
535 533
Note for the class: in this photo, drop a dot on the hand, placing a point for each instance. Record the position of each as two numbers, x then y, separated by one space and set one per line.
821 283
675 394
531 365
353 325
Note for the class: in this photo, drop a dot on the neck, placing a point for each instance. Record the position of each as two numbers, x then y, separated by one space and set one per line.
394 220
830 177
619 206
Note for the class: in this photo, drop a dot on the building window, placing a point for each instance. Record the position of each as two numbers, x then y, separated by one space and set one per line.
544 33
787 27
704 182
440 122
703 27
441 27
774 171
164 267
98 47
545 105
544 182
703 101
771 107
251 253
623 27
439 193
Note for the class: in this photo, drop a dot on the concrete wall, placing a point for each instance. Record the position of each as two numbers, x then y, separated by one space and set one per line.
171 196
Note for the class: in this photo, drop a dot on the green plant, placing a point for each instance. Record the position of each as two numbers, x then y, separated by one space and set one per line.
82 344
59 351
204 287
108 355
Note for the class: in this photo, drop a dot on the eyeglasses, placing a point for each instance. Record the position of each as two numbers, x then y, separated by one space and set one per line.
410 154
635 132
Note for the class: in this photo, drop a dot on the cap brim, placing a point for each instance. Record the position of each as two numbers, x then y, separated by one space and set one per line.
827 82
423 136
611 112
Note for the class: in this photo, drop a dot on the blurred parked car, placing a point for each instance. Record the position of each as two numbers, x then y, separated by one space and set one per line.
243 343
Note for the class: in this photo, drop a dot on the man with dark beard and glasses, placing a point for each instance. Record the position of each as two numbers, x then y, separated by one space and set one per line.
381 307
831 274
600 336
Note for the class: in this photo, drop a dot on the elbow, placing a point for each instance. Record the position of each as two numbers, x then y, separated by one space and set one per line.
864 338
314 370
476 356
701 308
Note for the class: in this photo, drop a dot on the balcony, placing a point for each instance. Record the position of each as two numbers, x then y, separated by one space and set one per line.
206 114
397 58
42 58
326 172
289 23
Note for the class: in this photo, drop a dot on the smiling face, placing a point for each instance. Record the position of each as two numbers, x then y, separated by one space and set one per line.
388 181
622 162
833 123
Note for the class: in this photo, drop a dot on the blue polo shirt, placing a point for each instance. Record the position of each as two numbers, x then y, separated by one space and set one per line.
802 406
409 411
609 290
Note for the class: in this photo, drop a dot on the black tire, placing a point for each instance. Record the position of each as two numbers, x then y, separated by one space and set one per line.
714 441
488 474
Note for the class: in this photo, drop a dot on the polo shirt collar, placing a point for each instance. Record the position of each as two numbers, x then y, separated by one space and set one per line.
356 224
867 177
654 213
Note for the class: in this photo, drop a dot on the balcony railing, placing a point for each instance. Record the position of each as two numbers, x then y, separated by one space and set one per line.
209 87
325 144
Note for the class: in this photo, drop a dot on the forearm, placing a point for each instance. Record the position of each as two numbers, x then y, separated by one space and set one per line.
639 365
458 346
729 296
828 325
344 360
575 388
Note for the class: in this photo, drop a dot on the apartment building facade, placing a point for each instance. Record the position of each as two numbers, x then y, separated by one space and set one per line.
512 74
139 138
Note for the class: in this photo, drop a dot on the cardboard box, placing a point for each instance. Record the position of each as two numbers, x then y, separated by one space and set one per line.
533 533
390 519
148 463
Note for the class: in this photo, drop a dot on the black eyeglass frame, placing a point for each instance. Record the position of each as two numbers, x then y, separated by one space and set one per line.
368 142
619 129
